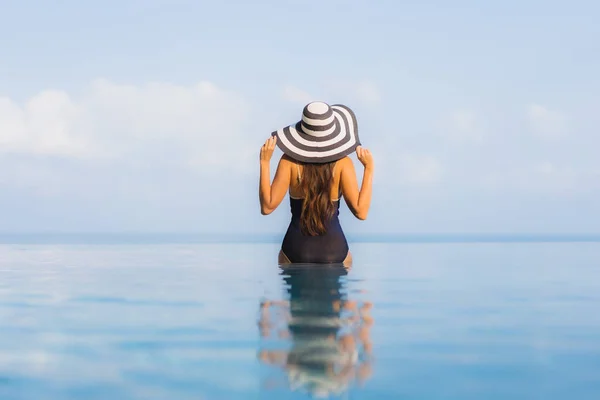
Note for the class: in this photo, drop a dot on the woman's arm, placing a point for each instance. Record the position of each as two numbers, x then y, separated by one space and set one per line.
271 195
358 201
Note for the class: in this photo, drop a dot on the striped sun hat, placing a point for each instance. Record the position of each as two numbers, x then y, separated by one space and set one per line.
325 133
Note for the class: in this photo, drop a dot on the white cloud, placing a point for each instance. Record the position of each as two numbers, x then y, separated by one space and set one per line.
155 122
43 125
546 123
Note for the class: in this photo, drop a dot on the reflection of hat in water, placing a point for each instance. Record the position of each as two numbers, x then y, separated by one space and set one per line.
314 380
317 385
325 133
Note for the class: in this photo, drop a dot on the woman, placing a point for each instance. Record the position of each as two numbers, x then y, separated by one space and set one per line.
316 170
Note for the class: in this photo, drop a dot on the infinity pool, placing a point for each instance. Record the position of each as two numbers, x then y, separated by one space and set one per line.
222 321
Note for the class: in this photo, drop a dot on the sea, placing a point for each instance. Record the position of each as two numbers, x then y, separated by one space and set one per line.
102 316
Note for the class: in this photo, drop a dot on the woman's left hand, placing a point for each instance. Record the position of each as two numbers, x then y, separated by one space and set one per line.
266 151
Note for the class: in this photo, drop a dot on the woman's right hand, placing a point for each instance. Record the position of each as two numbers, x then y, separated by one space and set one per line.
365 157
266 151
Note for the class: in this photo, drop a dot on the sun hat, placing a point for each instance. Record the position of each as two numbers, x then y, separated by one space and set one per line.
324 134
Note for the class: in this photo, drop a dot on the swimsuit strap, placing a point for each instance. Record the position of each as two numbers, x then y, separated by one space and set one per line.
299 175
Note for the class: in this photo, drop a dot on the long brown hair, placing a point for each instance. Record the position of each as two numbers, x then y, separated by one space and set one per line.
317 207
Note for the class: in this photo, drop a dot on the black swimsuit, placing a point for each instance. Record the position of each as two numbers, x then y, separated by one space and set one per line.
330 247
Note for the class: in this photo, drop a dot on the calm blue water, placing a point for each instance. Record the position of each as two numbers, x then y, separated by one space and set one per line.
221 321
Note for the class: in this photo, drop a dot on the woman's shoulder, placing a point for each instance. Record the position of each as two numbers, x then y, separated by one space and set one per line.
346 161
287 159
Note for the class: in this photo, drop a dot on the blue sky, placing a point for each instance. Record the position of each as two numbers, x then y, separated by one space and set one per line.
147 115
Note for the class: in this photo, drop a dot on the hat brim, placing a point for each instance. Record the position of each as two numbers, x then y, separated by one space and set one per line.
332 147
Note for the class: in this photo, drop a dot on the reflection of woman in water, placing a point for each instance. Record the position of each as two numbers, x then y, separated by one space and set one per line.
316 170
329 335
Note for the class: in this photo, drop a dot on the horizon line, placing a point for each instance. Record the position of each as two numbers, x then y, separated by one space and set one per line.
249 237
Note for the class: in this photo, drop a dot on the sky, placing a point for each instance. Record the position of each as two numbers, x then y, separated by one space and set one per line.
148 115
